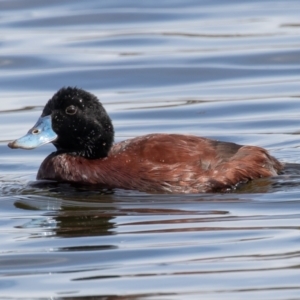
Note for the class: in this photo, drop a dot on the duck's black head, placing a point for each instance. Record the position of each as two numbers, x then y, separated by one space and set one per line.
80 123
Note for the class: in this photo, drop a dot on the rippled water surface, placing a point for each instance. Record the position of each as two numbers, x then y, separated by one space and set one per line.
227 70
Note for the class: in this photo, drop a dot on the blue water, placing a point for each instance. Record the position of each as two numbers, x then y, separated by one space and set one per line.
228 70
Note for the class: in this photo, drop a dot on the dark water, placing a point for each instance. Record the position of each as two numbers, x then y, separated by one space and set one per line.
227 70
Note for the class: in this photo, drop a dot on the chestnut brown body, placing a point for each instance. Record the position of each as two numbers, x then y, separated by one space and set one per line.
165 163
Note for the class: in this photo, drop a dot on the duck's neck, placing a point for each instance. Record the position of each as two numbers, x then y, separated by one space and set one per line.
93 146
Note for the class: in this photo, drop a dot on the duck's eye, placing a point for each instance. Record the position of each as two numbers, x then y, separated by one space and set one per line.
71 110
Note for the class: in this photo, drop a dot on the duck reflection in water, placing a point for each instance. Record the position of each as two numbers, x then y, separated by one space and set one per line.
79 127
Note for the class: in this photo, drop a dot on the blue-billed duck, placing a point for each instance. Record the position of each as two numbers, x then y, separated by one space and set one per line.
79 127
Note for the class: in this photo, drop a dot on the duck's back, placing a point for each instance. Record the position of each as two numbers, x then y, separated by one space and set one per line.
176 148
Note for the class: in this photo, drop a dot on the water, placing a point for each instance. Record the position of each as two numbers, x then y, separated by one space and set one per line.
227 70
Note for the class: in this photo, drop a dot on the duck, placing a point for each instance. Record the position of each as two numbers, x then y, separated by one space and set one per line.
77 124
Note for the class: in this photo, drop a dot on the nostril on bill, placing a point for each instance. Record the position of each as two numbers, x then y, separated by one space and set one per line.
35 131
